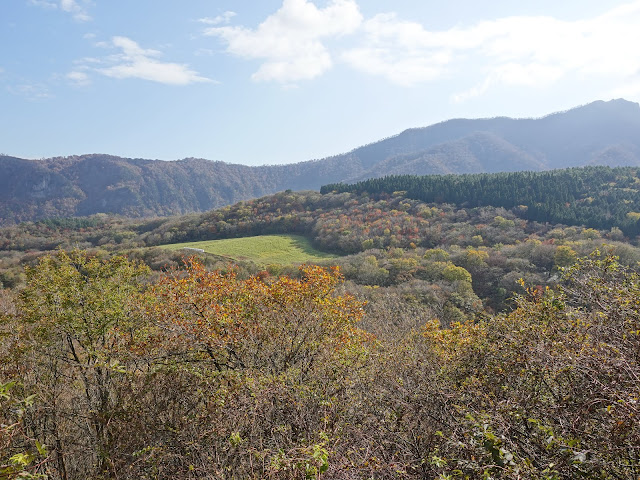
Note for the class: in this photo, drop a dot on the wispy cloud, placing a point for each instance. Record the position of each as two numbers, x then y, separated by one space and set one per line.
300 42
134 61
77 8
43 3
204 52
289 42
79 78
398 50
513 51
31 91
79 11
220 19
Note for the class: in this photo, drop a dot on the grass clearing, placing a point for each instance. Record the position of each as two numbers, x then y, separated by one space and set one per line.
263 250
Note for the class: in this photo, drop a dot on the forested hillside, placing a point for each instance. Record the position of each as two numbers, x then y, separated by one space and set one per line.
78 186
449 260
599 197
442 340
601 133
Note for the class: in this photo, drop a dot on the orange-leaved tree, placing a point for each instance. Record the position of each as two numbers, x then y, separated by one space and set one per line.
256 324
253 373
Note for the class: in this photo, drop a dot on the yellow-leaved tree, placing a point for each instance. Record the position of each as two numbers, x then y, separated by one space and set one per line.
69 332
198 374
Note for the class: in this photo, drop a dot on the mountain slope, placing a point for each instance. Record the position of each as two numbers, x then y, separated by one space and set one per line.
475 153
606 133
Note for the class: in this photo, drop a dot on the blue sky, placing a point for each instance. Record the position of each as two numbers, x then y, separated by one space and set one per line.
279 81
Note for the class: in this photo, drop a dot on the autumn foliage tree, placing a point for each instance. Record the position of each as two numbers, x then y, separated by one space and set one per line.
271 358
547 391
71 315
107 373
21 457
267 325
198 375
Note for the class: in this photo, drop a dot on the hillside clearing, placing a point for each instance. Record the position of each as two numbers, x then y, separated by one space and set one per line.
263 250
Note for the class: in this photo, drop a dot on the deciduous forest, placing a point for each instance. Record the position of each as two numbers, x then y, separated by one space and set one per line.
445 339
202 374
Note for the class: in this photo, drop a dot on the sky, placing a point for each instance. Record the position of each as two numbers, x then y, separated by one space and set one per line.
279 81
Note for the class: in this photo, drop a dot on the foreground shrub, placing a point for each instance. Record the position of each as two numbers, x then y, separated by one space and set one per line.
203 374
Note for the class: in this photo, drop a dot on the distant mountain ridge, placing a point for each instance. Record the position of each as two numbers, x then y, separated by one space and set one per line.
600 133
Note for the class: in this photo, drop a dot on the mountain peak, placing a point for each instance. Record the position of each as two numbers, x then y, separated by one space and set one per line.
618 105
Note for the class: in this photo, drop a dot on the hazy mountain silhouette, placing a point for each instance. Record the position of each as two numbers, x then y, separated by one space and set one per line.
600 133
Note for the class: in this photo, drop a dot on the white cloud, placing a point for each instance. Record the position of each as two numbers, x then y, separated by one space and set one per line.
534 75
135 62
79 78
513 51
44 4
289 42
299 42
79 11
399 51
224 18
77 8
84 61
403 70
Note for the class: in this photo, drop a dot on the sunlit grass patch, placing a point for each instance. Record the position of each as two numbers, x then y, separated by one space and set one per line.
264 250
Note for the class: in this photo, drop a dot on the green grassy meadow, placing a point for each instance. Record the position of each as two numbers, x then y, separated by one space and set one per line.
263 250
